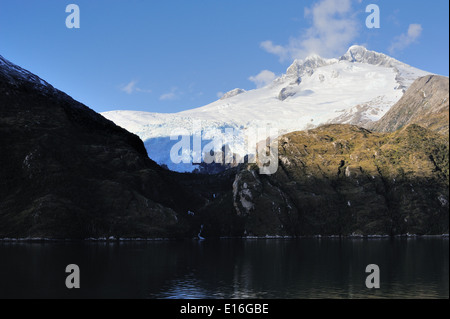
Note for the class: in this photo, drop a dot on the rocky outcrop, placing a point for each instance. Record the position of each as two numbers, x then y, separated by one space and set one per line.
232 93
343 180
300 68
360 54
425 103
287 92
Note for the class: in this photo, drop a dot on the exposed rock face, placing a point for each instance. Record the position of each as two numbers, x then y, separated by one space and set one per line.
341 179
425 103
232 93
360 54
67 172
306 67
287 92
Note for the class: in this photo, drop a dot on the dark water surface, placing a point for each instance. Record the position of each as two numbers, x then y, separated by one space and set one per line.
228 268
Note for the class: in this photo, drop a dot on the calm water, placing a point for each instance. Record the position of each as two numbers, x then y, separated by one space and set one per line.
304 268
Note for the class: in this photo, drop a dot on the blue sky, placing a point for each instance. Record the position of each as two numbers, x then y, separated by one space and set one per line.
172 55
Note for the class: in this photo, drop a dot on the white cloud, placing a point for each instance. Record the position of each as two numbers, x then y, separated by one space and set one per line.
334 28
131 87
263 78
406 39
220 94
172 95
167 96
143 90
279 50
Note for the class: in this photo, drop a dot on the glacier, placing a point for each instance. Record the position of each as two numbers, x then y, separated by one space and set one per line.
357 88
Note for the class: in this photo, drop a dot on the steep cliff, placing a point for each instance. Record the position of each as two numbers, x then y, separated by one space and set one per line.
425 103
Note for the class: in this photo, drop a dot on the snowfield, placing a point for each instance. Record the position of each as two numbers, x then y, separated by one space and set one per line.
359 87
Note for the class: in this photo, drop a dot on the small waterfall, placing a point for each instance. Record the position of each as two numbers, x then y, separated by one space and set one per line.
200 233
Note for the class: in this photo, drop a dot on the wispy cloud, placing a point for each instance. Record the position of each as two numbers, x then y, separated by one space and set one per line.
167 96
281 51
172 95
263 78
131 88
334 27
406 39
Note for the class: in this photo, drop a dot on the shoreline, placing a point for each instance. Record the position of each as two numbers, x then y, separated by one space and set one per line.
138 239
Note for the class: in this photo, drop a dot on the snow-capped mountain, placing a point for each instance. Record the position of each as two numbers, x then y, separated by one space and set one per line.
357 88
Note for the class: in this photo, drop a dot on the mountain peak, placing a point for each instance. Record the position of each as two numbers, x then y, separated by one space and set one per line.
358 53
300 68
355 53
357 48
313 57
